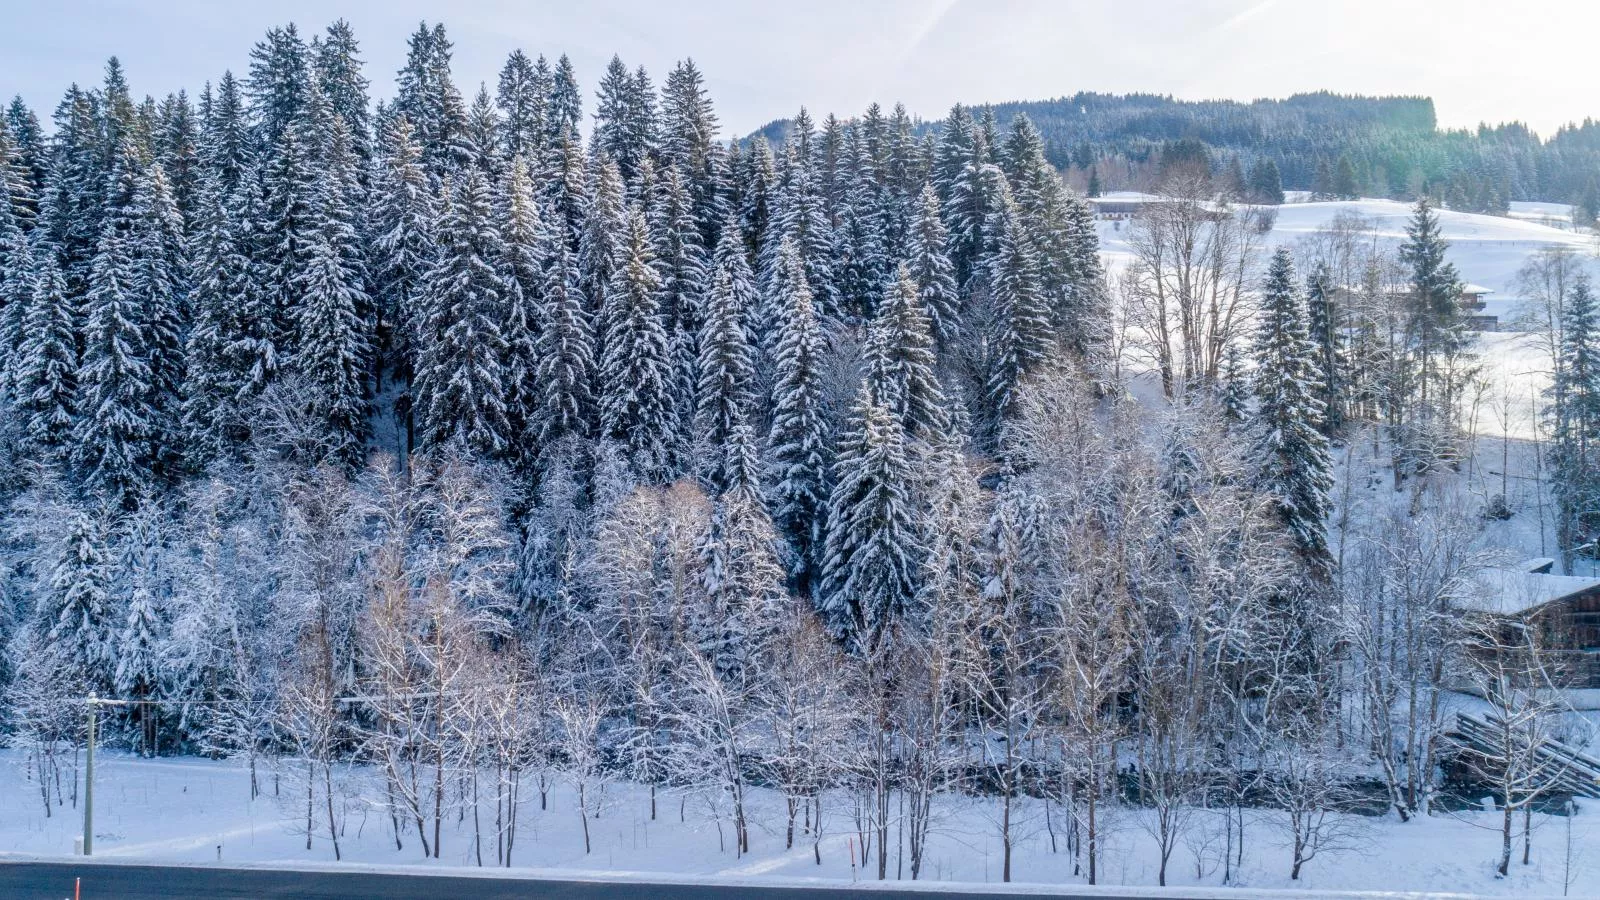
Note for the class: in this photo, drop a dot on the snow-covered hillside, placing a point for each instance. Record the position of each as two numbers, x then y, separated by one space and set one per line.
1486 250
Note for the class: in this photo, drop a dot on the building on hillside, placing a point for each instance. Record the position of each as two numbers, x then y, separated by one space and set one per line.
1474 308
1120 204
1563 612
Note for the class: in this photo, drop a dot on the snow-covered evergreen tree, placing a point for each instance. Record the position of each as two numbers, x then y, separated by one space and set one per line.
1436 330
44 370
480 142
332 336
605 227
1576 475
336 65
681 262
565 354
278 84
635 372
1021 336
219 356
800 217
799 440
18 273
1327 335
566 105
1290 450
901 361
461 380
74 611
931 269
688 144
402 221
872 553
757 193
71 208
743 578
140 637
522 95
863 267
286 233
726 373
624 119
119 401
524 264
426 95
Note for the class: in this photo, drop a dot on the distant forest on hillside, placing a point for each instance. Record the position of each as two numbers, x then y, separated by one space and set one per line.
1381 146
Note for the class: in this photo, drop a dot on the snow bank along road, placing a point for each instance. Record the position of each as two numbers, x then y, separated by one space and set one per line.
55 880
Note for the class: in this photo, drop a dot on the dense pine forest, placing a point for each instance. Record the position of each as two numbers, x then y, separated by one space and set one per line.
1330 145
483 438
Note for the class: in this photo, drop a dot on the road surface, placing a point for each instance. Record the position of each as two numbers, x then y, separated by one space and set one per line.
55 881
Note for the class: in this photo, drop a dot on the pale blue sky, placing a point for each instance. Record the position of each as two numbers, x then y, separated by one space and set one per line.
1479 59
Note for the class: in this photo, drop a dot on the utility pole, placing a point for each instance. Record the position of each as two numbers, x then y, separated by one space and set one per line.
88 785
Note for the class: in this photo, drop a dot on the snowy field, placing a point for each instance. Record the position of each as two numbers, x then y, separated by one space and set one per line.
1486 250
184 810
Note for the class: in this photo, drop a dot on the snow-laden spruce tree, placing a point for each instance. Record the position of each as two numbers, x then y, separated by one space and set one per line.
602 242
872 553
1327 335
743 577
799 440
1291 450
680 258
624 126
74 613
901 361
141 590
634 375
119 402
863 258
401 217
461 380
1577 421
523 268
977 197
1438 341
287 228
522 94
43 369
427 96
564 356
1021 336
931 269
801 219
758 182
726 371
218 353
331 334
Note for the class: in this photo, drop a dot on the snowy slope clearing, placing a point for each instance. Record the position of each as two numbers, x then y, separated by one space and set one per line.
1486 250
194 810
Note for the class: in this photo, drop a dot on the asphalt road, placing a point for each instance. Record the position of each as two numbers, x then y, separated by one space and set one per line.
100 881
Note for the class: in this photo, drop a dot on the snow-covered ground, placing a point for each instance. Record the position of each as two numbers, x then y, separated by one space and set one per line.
1555 215
185 809
1486 250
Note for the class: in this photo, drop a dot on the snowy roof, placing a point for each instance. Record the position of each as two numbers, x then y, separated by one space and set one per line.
1476 289
1511 591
